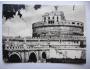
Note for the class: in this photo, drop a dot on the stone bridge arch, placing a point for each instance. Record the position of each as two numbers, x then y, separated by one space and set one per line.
14 57
45 53
33 57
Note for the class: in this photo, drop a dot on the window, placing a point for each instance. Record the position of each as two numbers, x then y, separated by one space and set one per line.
51 22
77 23
77 41
48 17
7 47
10 47
57 18
53 17
73 22
44 19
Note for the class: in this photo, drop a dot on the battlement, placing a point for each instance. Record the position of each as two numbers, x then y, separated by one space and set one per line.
73 38
61 23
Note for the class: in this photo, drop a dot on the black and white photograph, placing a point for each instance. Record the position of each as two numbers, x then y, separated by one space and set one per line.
43 33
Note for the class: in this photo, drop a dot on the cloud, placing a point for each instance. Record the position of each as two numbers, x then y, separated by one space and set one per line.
13 26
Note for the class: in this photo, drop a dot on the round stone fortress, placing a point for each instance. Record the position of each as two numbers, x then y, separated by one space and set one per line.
54 39
54 24
70 34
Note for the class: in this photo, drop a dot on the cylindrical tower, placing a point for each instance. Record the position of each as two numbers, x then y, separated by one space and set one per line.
54 24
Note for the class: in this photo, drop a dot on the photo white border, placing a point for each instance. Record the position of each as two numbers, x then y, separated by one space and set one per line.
48 65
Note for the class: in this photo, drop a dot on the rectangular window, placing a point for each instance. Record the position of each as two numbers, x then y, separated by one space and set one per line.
57 18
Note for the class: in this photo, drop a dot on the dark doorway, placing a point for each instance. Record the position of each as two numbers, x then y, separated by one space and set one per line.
14 58
32 57
44 55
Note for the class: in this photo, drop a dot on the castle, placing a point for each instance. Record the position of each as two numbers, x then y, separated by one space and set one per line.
54 39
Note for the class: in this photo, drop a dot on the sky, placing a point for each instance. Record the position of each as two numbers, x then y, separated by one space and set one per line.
22 26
